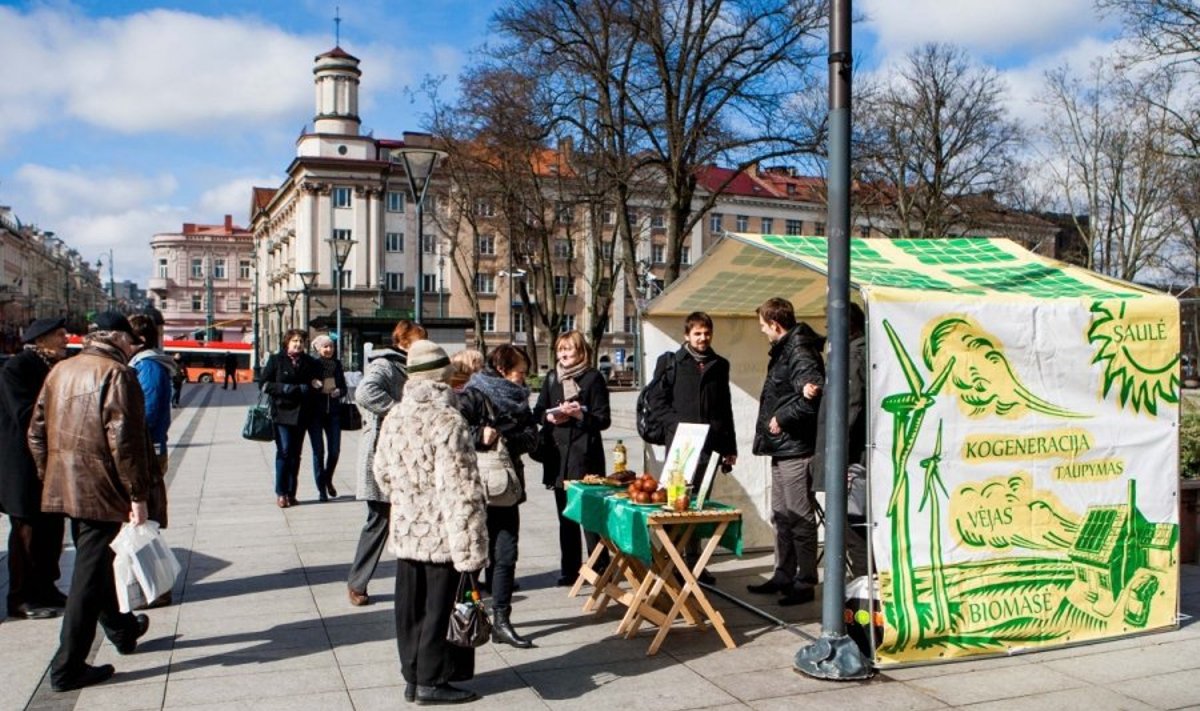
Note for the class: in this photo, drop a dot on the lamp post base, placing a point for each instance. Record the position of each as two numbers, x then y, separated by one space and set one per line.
833 657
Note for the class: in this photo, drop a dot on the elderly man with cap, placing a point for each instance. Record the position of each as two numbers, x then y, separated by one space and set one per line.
89 442
35 539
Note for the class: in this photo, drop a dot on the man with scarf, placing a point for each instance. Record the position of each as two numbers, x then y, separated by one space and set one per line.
35 538
695 388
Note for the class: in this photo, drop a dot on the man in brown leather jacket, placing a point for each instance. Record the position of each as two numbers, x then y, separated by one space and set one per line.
88 440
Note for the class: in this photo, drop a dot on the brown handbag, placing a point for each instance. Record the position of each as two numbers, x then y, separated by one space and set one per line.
469 623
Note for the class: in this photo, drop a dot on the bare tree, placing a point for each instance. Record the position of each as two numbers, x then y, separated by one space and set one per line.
933 135
1113 161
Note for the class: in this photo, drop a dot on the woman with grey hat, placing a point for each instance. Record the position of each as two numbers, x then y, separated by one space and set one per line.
425 463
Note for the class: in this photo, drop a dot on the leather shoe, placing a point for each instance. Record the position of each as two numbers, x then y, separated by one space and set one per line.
129 644
282 502
89 676
797 596
53 598
564 581
293 501
358 599
32 612
768 588
332 491
410 692
444 694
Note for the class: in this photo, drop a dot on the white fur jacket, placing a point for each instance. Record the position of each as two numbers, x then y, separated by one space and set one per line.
425 464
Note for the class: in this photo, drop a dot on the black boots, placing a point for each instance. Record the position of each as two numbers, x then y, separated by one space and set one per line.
502 631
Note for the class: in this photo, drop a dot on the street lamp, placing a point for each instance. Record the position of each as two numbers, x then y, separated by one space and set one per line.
418 167
341 251
307 279
292 295
512 275
279 307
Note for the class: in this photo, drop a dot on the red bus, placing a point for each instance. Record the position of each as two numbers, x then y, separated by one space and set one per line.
203 362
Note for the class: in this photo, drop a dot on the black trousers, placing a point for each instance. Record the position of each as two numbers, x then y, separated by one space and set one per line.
92 599
571 556
34 546
371 543
504 526
424 599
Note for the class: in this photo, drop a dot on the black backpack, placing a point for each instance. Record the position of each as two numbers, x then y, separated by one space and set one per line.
650 426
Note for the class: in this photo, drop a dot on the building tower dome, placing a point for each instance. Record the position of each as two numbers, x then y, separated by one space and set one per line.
336 75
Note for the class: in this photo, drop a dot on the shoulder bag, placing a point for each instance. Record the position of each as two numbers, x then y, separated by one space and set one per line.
259 425
501 485
349 417
469 623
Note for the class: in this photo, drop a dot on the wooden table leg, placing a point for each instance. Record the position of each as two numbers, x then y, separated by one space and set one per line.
691 588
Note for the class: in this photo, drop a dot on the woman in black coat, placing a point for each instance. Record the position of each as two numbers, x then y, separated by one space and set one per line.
290 377
495 402
573 410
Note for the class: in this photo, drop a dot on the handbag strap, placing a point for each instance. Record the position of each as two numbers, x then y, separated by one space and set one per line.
460 593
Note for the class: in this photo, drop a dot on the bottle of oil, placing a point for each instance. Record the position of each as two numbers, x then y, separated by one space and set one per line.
620 459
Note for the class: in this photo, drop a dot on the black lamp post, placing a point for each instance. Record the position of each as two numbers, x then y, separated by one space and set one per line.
418 166
307 279
341 251
292 295
279 307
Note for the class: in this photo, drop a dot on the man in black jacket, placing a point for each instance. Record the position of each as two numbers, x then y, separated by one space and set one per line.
35 539
695 388
786 431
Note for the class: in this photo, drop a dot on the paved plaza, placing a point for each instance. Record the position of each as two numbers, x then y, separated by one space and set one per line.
261 620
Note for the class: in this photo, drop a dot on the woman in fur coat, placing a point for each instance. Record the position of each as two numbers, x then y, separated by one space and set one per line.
425 464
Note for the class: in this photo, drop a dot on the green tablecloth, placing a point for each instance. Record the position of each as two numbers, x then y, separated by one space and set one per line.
624 523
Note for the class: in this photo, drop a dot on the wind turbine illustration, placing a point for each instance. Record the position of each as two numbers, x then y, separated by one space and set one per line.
933 482
908 413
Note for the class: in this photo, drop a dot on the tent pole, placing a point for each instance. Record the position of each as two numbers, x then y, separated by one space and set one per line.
834 655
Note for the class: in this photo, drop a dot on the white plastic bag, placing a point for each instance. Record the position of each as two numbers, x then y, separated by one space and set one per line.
148 556
129 591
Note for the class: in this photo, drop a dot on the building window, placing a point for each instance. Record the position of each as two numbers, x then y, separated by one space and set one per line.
518 321
162 267
794 227
566 215
632 216
484 208
342 234
563 285
347 278
610 217
487 244
743 223
244 269
864 231
630 324
197 268
395 201
818 228
658 253
714 222
429 283
429 245
569 322
394 281
393 242
685 255
341 197
562 249
488 321
768 226
485 283
197 302
245 306
658 220
218 269
606 251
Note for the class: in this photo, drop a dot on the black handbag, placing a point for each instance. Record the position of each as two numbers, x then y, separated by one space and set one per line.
350 417
469 623
259 426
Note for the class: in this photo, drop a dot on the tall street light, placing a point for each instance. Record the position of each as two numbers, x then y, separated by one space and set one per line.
279 307
341 251
418 167
307 279
292 295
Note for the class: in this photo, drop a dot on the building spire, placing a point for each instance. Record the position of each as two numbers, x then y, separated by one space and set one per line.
337 26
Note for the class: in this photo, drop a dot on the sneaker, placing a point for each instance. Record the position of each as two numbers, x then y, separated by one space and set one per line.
89 676
129 644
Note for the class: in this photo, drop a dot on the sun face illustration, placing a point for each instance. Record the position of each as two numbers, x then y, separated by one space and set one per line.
1139 347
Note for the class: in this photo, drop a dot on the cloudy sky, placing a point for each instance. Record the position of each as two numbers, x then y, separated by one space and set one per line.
120 119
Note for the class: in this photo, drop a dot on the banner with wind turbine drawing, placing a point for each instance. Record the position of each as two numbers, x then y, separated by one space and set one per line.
1024 467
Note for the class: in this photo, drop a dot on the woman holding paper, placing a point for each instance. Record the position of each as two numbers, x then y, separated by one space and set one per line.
573 410
325 427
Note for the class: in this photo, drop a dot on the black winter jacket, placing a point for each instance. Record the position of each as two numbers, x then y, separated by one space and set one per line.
695 394
20 382
570 450
856 415
515 424
795 361
290 387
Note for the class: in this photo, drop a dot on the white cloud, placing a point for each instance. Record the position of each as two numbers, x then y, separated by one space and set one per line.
55 192
231 198
160 70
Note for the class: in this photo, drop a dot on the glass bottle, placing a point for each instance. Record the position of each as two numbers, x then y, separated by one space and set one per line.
620 460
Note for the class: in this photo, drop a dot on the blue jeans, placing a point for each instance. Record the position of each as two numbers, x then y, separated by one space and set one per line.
289 439
325 437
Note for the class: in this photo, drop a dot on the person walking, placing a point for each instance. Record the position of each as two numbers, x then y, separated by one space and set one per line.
495 402
381 388
425 464
178 376
289 378
35 538
230 371
786 431
694 387
572 409
325 427
89 442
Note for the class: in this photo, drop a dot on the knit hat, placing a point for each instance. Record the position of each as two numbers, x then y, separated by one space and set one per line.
427 361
